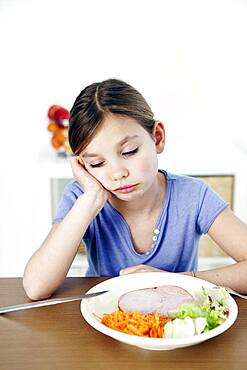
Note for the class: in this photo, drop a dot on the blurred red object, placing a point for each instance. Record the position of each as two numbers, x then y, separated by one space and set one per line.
58 126
52 110
57 113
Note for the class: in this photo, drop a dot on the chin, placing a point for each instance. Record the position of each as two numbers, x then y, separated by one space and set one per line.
127 197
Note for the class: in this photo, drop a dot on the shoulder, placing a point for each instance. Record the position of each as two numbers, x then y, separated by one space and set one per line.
73 188
187 190
69 196
184 182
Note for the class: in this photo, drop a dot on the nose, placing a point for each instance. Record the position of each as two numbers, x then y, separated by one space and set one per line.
118 171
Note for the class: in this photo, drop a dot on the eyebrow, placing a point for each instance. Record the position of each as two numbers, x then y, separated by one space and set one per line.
120 143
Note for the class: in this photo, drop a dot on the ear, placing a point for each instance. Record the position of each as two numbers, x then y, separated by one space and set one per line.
159 136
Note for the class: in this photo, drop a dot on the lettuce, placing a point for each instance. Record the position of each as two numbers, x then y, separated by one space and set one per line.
210 304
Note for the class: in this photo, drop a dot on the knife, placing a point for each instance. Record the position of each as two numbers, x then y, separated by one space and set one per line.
48 302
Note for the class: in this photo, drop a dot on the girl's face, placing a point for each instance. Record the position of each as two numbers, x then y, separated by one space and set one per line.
122 156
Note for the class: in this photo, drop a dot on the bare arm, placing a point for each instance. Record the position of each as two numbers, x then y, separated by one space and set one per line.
230 233
48 267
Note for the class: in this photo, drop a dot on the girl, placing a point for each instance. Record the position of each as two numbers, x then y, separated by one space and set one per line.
131 215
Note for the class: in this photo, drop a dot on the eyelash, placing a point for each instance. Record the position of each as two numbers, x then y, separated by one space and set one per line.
131 152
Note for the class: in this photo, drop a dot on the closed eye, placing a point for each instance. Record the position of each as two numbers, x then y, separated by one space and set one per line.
131 152
96 165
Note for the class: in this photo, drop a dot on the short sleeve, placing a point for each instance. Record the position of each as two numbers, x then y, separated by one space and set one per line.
71 192
210 206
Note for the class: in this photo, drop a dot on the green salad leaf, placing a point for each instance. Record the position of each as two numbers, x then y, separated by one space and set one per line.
210 303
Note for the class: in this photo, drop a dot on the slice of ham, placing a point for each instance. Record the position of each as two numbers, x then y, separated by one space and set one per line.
161 299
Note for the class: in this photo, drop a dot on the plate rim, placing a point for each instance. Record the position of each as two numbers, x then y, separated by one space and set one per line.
155 342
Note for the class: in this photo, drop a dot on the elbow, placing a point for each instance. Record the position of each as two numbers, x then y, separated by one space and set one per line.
33 290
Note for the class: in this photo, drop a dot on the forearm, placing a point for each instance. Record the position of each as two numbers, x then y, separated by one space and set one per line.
233 276
49 265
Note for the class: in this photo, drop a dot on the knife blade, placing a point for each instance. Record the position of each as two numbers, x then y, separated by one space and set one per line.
48 302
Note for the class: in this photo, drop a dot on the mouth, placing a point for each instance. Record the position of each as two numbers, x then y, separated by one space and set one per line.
125 189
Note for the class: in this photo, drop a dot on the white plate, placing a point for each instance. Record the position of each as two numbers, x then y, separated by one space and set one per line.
108 302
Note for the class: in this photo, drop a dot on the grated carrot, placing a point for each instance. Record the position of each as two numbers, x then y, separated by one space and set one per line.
136 323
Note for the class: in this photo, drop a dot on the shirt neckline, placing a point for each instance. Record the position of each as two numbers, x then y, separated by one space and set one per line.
126 228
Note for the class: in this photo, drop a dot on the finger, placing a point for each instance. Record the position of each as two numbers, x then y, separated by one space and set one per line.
75 163
132 269
80 160
73 160
139 268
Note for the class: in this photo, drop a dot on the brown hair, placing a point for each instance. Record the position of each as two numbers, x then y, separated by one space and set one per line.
100 99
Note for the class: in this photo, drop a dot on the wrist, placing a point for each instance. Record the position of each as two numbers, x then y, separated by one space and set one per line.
189 273
94 200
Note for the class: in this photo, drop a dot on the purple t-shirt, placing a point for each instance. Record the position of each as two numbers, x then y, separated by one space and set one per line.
190 206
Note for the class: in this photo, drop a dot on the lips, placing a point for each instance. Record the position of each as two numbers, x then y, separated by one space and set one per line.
125 188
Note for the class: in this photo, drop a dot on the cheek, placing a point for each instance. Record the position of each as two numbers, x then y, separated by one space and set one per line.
97 174
147 164
147 167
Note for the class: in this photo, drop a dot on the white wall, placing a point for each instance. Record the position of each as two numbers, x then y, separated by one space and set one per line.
188 58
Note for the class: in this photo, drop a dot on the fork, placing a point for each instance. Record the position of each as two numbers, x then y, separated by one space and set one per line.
233 292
